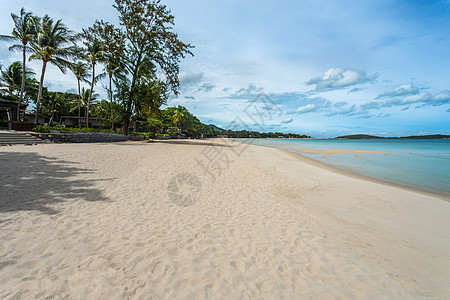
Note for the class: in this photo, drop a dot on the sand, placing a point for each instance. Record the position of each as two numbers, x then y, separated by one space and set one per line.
195 221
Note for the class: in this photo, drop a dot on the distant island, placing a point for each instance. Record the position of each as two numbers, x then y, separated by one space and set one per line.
220 132
367 137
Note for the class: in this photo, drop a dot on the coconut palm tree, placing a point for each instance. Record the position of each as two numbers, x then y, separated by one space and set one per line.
54 44
54 103
11 78
25 30
94 53
80 70
83 100
179 116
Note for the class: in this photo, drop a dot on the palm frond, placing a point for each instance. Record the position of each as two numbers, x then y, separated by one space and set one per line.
17 48
35 55
61 63
100 77
7 38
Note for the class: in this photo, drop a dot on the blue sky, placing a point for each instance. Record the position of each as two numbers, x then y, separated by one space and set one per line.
328 67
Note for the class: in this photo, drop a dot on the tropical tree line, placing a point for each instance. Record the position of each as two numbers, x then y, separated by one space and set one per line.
140 59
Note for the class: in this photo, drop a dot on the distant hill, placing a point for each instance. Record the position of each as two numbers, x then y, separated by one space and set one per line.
365 137
430 136
245 134
359 137
216 128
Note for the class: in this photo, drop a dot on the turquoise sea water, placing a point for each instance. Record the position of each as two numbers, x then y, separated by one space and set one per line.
421 163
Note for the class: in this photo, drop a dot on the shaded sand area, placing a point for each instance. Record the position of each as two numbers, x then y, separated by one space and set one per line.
195 221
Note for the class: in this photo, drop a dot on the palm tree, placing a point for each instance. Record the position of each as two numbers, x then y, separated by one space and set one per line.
80 70
54 44
25 30
94 54
54 104
179 116
83 100
10 79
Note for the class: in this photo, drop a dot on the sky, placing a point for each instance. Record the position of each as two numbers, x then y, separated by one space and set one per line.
318 67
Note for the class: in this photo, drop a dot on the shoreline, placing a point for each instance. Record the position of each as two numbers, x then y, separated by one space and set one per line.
329 167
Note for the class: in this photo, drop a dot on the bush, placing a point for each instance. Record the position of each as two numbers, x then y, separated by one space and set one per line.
46 129
147 135
4 123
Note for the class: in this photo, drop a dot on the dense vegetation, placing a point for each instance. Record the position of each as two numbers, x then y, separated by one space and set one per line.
140 62
358 137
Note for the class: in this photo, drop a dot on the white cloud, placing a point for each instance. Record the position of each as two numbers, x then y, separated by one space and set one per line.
317 105
306 109
337 78
403 90
441 98
287 121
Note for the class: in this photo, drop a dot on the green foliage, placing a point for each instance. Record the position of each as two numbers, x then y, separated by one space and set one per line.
257 135
102 111
4 123
57 104
11 79
147 135
25 30
144 45
46 129
80 70
54 44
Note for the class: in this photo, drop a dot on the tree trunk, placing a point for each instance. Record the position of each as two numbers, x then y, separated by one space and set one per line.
52 116
90 94
22 88
127 114
111 100
126 123
41 83
79 104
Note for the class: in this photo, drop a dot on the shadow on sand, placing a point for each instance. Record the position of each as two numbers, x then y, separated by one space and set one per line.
29 181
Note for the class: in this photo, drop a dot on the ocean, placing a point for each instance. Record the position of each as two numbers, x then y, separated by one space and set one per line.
419 163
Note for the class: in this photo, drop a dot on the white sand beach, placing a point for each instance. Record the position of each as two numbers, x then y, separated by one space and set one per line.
211 221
